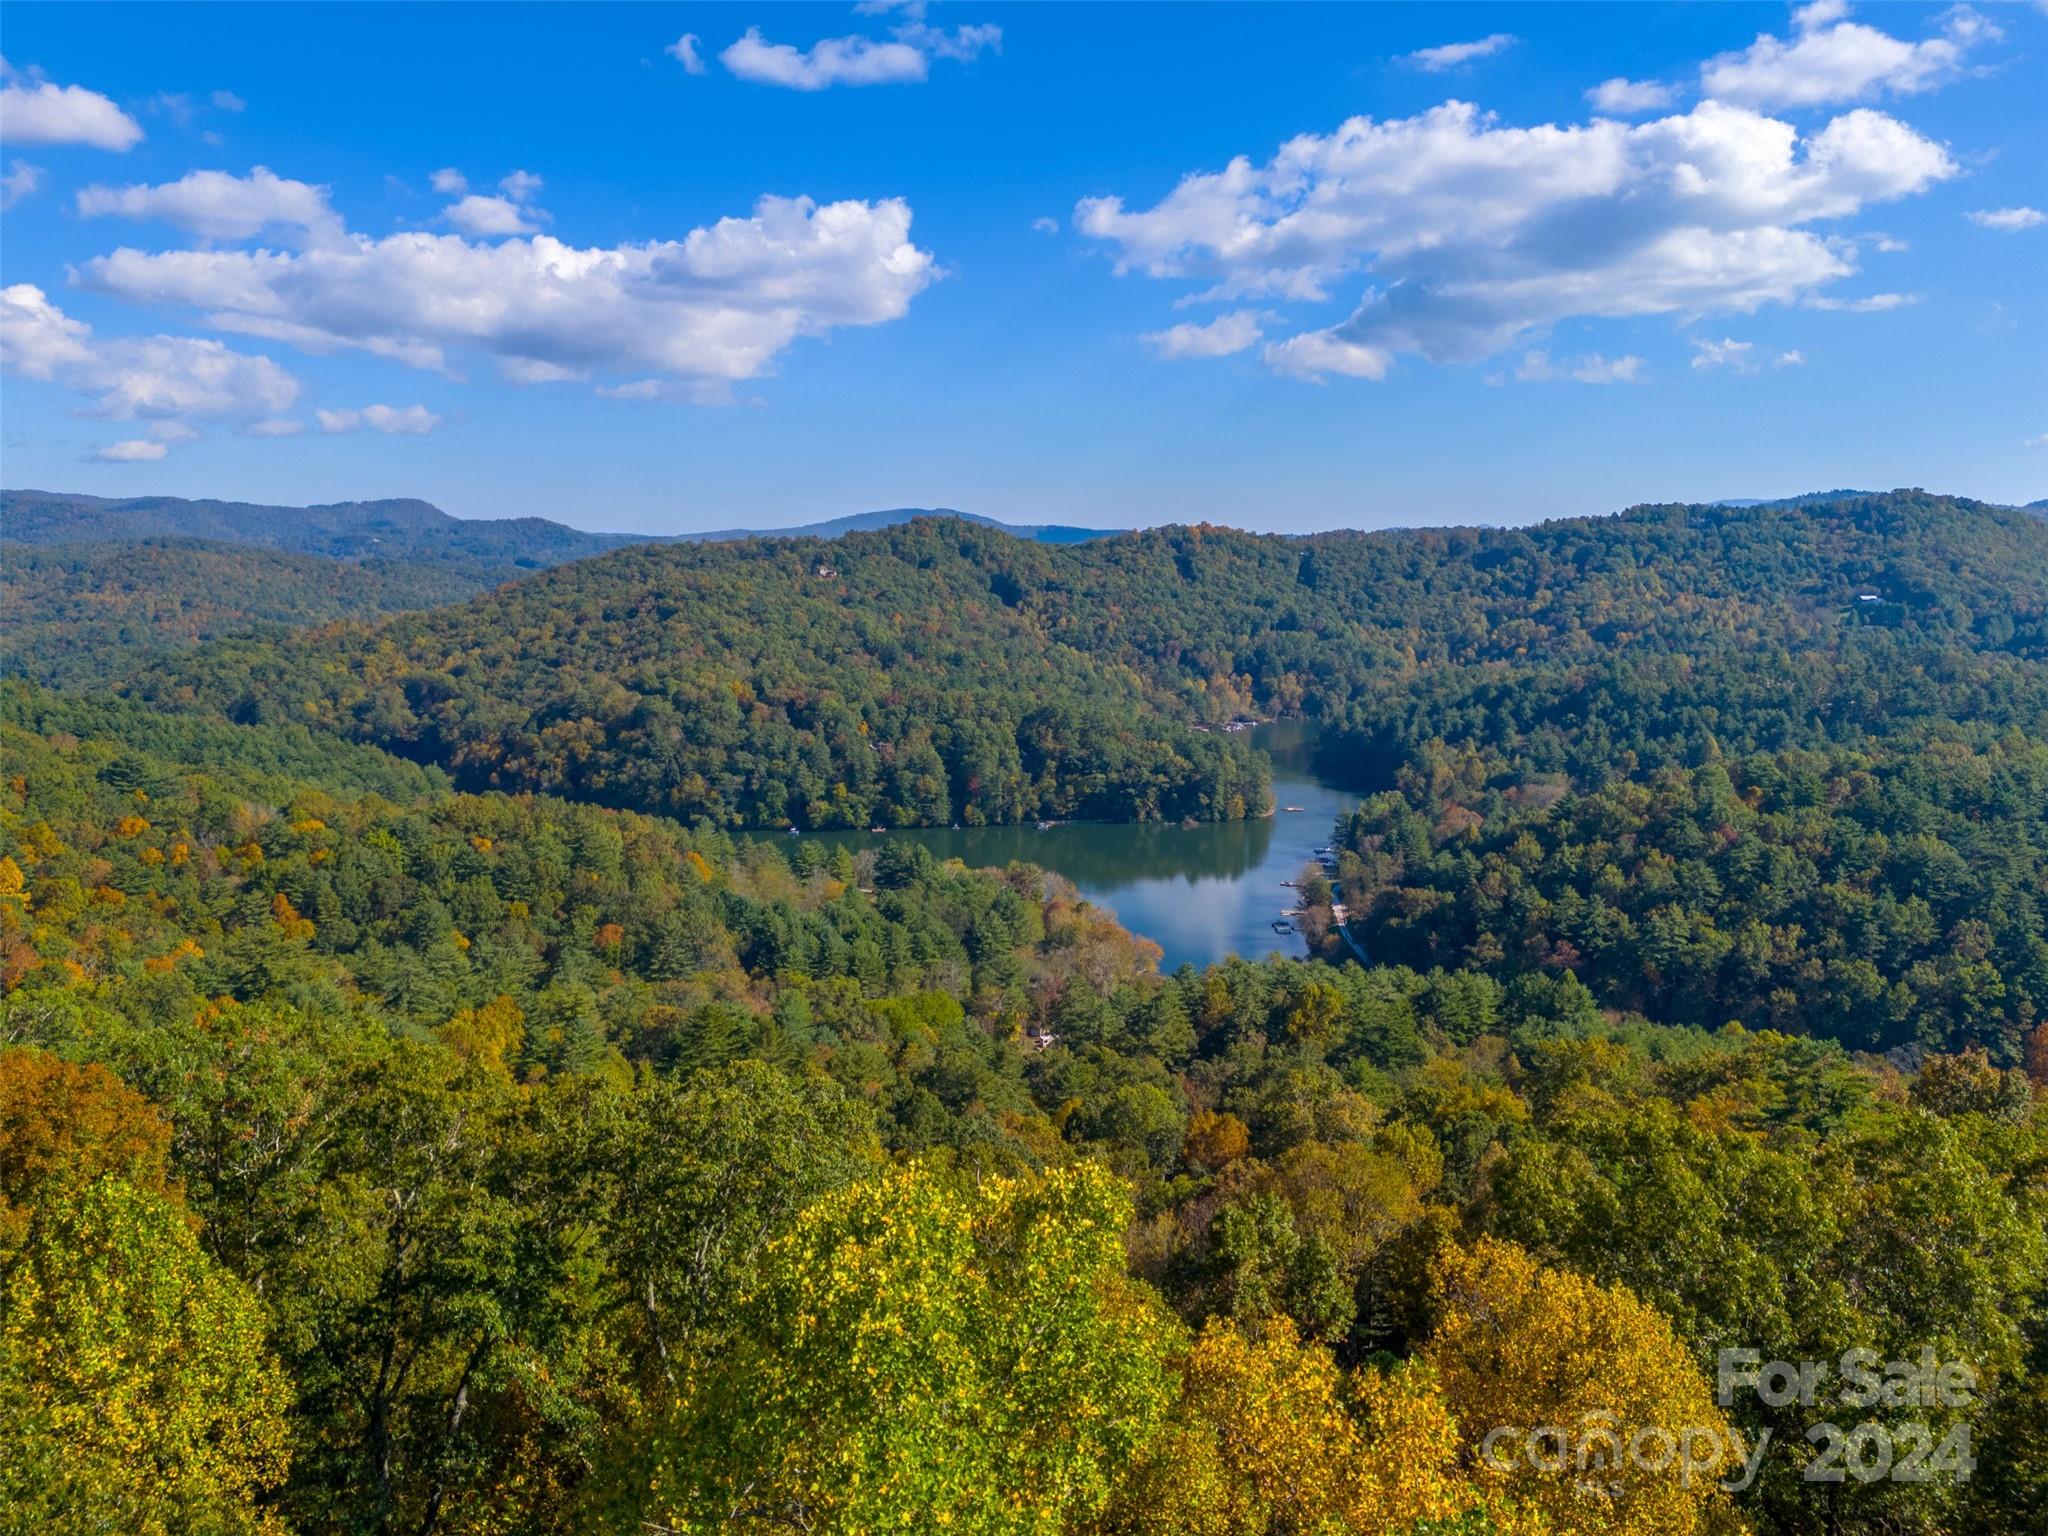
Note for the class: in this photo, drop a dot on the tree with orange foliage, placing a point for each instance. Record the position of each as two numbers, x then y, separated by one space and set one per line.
2037 1055
1215 1139
63 1125
287 918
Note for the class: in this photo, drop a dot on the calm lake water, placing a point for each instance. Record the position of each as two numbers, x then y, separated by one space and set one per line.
1200 893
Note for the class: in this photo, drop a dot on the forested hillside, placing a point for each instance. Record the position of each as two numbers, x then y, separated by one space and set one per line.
938 672
88 584
85 580
399 529
415 1161
403 529
71 607
891 677
1891 897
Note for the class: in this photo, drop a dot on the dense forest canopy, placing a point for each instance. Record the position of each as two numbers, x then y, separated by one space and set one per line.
761 683
1884 898
70 606
938 671
419 1113
474 1162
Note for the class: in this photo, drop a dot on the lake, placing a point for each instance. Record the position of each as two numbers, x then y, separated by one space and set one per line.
1199 893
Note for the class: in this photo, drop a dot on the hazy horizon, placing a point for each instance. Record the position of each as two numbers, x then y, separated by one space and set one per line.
595 523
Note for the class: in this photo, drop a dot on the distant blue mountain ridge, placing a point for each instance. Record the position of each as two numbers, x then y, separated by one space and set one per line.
480 551
401 529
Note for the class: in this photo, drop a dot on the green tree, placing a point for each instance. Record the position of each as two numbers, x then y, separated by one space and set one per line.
917 1354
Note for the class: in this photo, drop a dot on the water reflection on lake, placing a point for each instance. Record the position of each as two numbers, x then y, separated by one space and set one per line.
1201 892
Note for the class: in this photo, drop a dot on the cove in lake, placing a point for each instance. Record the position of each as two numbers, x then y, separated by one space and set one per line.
1200 893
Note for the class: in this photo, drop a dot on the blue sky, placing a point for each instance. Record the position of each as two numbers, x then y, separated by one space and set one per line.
1277 267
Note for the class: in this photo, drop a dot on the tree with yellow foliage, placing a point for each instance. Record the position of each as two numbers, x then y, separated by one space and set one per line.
136 1391
1616 1397
1271 1439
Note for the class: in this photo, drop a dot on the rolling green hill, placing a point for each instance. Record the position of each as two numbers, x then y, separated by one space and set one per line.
823 684
483 550
937 670
70 607
491 549
84 579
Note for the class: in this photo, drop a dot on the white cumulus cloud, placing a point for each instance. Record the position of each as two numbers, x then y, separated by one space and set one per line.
150 377
963 45
1832 60
1474 232
143 450
1594 368
2008 220
134 450
1315 353
684 51
477 214
448 181
719 304
832 61
217 206
38 111
411 420
1726 353
1737 356
1628 98
21 180
1219 338
902 58
1869 304
1452 55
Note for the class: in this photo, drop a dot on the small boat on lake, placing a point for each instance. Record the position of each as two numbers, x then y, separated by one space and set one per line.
1281 925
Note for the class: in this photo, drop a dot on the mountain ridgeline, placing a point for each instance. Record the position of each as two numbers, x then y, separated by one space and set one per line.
82 577
939 671
402 529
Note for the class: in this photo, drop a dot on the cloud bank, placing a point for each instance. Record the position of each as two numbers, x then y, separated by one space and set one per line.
132 377
1473 233
720 304
216 206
